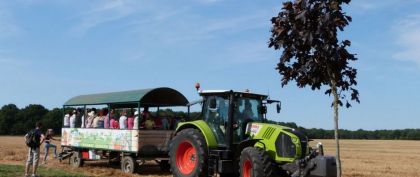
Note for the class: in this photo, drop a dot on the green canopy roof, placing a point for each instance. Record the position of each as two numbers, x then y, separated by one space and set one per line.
162 96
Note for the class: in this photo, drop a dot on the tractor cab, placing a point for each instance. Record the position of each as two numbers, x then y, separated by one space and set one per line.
243 107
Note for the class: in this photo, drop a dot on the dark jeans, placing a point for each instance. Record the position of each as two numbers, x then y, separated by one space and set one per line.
47 147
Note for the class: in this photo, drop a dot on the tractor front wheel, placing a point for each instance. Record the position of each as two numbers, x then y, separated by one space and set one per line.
188 154
254 162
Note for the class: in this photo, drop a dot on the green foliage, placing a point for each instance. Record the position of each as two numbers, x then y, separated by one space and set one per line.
316 133
53 119
13 121
7 114
306 32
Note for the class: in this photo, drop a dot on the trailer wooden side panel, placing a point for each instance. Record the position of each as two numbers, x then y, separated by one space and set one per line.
109 139
151 141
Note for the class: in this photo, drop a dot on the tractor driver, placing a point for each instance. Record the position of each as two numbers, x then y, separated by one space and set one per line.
243 115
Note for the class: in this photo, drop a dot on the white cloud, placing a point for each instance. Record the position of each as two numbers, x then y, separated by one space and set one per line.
408 39
191 30
103 13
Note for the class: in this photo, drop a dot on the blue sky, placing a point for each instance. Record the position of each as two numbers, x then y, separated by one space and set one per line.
53 50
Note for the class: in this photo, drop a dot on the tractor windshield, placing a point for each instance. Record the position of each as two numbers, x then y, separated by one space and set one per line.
246 110
215 111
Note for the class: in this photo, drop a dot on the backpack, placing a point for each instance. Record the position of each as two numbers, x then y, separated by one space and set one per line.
32 139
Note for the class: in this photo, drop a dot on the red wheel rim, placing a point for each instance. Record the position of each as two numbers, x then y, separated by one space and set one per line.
246 168
186 157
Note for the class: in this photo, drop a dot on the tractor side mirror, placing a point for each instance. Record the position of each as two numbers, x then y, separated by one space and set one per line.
278 106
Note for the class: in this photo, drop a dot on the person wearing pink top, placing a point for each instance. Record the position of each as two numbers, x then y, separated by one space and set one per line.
106 118
115 124
111 117
130 122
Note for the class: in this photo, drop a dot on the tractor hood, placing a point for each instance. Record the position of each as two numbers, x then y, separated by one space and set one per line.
285 144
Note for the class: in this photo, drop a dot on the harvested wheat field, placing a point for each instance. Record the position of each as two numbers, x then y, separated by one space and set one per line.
370 158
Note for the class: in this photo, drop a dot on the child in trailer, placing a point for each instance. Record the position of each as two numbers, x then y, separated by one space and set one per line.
149 124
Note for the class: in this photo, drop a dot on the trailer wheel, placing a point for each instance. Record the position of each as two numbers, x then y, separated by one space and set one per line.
254 162
129 165
188 154
76 160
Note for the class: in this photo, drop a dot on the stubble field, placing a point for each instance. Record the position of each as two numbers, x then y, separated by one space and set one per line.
360 158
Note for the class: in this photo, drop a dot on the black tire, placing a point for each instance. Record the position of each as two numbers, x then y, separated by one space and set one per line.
186 139
164 165
129 165
254 162
76 160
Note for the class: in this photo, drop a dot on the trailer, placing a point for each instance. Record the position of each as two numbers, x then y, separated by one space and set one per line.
129 147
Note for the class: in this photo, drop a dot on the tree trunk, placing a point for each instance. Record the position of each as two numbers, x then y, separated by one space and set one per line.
337 144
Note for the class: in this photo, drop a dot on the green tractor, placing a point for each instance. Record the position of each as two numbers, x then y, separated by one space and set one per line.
231 137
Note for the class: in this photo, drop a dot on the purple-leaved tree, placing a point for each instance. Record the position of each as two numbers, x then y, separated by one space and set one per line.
305 31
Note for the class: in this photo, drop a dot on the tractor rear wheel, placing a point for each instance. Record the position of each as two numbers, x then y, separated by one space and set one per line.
188 154
254 162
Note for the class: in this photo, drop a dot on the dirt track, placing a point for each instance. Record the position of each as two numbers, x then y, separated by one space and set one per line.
361 158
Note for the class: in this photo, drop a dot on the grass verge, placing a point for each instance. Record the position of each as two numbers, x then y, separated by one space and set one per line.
18 170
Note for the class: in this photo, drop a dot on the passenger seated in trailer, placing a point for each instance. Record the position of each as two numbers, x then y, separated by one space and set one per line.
136 120
95 120
165 123
123 120
149 124
112 119
130 121
66 120
158 123
106 118
84 118
72 119
114 124
78 118
98 122
90 118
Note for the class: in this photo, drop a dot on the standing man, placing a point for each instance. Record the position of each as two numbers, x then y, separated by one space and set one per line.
33 140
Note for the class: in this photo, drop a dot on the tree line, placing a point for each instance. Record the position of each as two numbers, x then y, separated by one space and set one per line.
317 133
15 121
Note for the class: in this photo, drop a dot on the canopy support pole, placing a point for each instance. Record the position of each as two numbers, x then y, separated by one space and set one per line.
140 117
